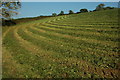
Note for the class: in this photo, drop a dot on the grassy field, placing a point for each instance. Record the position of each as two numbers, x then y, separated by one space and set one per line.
81 45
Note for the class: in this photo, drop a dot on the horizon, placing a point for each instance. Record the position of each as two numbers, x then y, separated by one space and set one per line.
35 9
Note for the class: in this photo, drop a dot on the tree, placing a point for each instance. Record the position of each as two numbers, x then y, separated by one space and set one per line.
61 13
71 12
54 14
100 7
83 10
8 9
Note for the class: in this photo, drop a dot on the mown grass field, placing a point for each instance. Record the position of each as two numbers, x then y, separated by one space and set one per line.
79 45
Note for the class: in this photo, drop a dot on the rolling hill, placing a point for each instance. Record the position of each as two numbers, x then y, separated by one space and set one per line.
81 45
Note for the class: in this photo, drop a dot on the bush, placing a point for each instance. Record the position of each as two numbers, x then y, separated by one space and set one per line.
54 14
83 10
8 23
71 12
61 13
100 7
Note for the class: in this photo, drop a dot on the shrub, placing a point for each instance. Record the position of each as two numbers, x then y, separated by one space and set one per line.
8 22
54 14
61 13
83 10
100 7
71 12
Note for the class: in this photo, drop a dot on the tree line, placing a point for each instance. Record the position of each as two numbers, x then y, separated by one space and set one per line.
98 8
9 9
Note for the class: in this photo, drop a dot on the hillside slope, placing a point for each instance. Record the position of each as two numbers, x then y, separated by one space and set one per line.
80 45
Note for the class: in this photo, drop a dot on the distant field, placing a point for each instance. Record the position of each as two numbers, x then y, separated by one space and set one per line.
81 45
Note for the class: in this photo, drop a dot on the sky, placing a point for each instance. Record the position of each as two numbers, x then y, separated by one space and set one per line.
64 0
70 0
34 9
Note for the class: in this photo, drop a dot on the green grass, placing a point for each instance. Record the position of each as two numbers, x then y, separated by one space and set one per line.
71 46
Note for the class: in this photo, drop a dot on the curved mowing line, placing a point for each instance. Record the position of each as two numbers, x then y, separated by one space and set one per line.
98 69
108 31
98 24
22 33
81 25
37 37
47 31
89 68
38 60
101 54
55 41
5 33
77 28
15 69
70 37
73 59
26 67
108 73
30 47
72 46
80 33
85 21
90 21
55 19
79 61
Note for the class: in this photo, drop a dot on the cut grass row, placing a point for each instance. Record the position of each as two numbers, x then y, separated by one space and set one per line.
60 47
25 37
91 35
61 59
32 65
74 47
17 50
100 29
16 54
67 26
66 38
